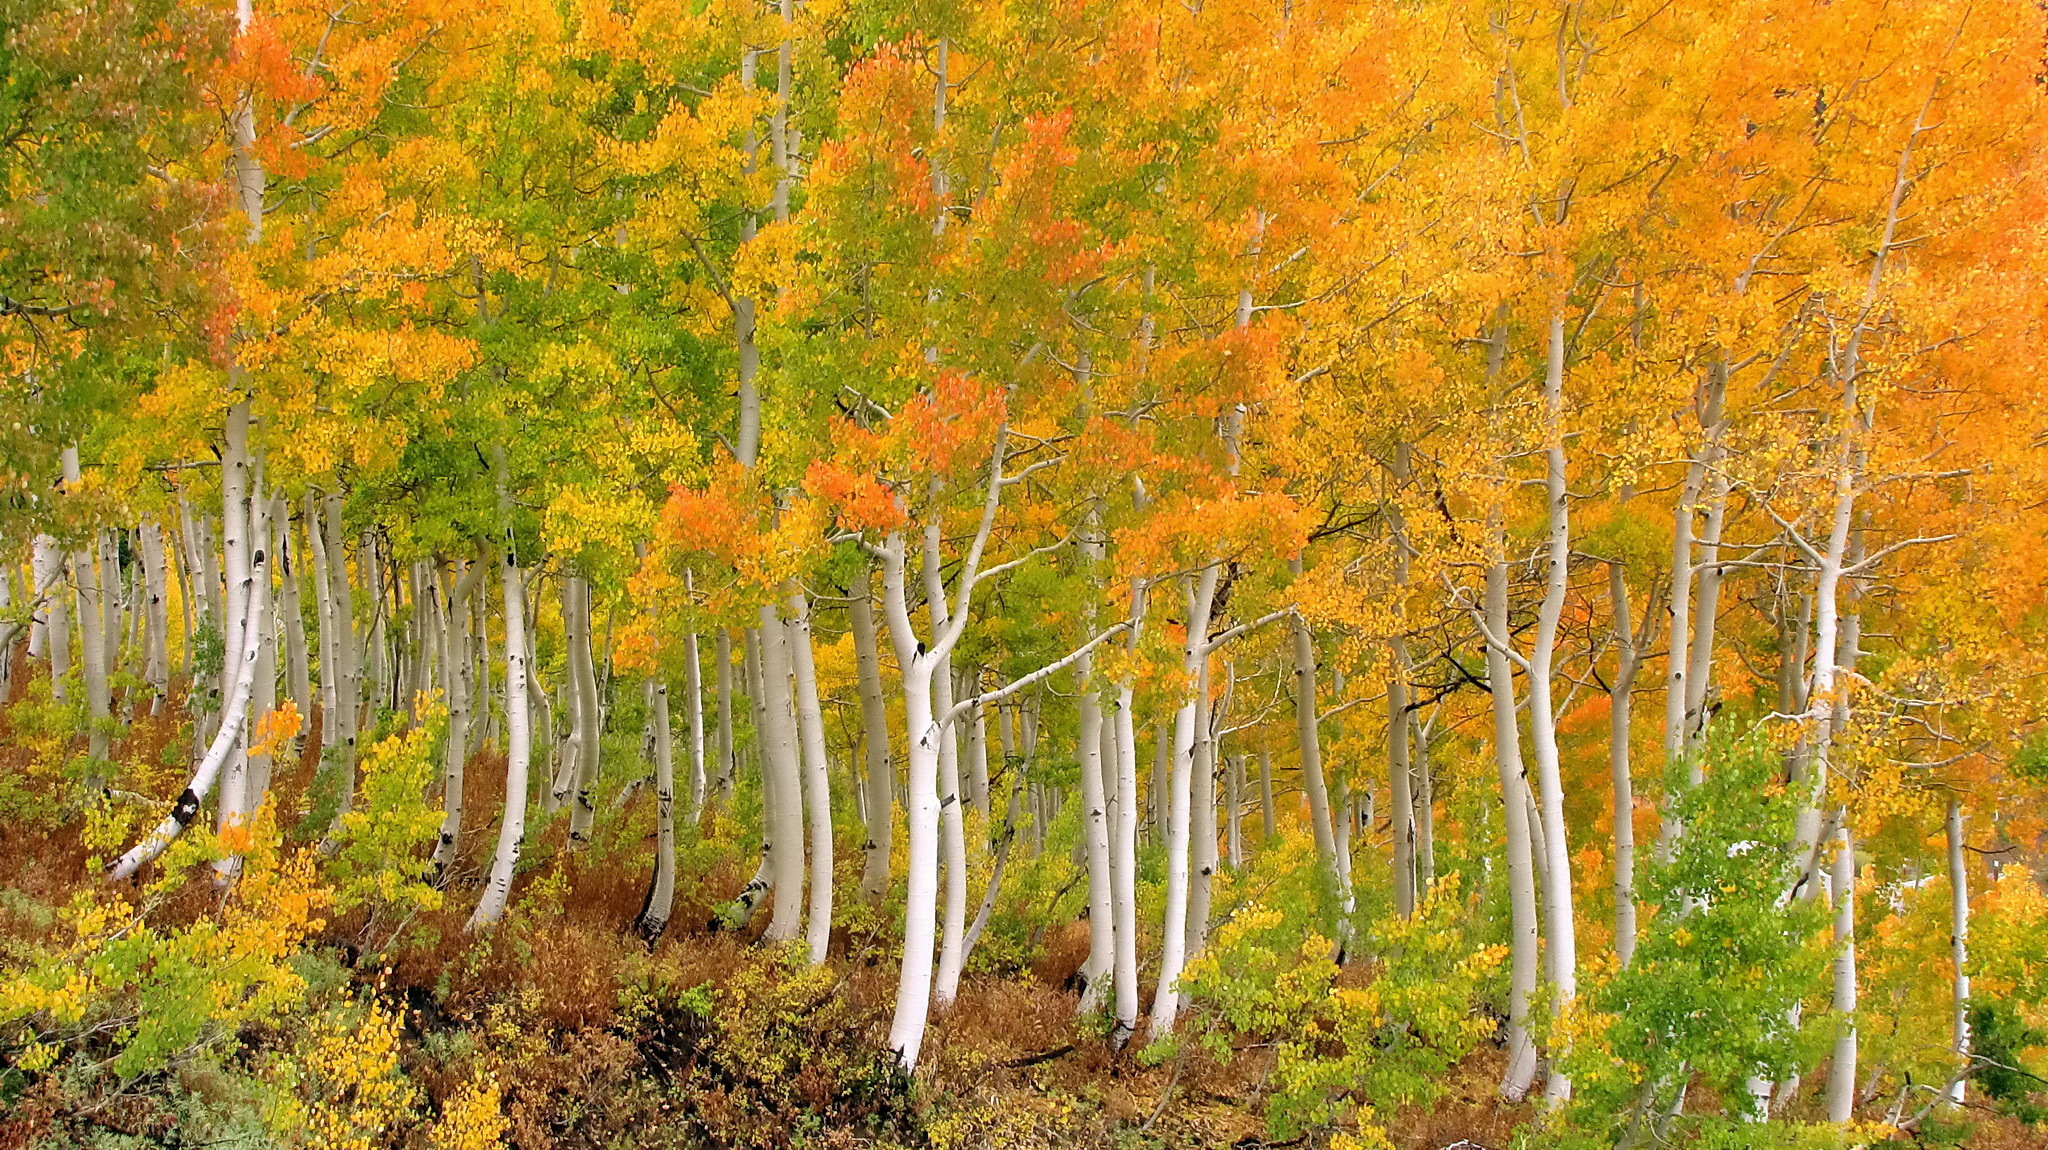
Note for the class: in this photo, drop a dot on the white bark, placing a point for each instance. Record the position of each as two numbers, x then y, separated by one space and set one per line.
157 630
233 718
518 724
817 778
347 682
881 774
1309 741
1199 592
781 770
1618 720
1520 1071
1841 1095
455 640
1958 943
661 892
323 602
722 653
1095 843
92 649
587 718
298 669
1560 945
235 541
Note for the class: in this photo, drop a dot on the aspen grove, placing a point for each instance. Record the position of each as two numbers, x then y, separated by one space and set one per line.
1123 573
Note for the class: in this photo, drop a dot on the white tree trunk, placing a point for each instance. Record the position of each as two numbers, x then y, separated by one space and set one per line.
1095 844
1123 854
661 892
233 717
298 668
1308 739
91 587
238 619
323 596
1618 720
1958 942
156 664
722 652
817 776
347 682
1520 1071
1841 1096
1561 947
781 770
455 642
1200 593
587 717
881 774
518 724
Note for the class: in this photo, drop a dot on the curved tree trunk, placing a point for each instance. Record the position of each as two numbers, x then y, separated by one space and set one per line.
518 723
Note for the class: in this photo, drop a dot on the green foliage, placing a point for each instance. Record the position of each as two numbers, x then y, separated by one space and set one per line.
1723 962
142 995
1999 1038
1345 1051
381 845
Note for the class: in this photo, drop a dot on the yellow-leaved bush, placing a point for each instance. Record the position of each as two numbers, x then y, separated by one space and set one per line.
152 993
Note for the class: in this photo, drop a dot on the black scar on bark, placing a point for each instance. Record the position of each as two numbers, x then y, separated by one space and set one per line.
187 808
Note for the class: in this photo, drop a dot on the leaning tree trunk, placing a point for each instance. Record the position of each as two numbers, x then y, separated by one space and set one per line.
233 718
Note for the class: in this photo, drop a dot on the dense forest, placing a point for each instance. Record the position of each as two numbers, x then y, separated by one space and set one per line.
1093 573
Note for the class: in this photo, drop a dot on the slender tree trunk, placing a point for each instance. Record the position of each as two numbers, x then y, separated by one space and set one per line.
1233 804
693 682
323 594
92 648
1123 855
1308 738
1618 720
1841 1097
881 775
921 806
817 775
1202 819
1958 942
1401 795
722 652
1200 593
1095 844
455 641
1561 947
263 701
235 541
587 717
348 683
518 725
661 892
1520 1071
234 715
157 631
298 668
782 768
1266 827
